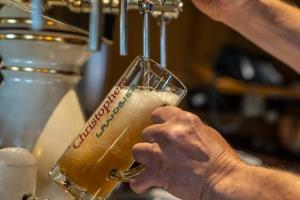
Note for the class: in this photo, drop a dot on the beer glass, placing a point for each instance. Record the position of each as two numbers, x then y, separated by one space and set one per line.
100 156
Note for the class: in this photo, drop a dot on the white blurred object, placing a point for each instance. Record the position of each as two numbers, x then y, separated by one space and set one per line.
39 68
17 173
62 127
253 105
159 194
250 159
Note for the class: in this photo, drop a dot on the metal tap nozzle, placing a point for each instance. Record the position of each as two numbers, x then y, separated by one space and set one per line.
123 28
36 15
146 35
95 26
163 41
145 8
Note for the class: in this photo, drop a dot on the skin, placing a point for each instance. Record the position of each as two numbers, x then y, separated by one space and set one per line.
178 152
190 159
271 24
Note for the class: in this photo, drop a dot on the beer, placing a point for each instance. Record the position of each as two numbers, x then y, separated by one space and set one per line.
106 141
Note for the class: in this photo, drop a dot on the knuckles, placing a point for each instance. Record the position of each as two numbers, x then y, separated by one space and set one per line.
178 115
165 109
140 149
179 125
179 132
150 133
187 118
191 118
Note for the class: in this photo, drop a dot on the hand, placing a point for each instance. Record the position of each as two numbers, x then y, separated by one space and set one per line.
220 10
181 155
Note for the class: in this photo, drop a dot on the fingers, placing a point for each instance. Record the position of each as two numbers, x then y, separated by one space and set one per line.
147 154
162 114
143 181
153 133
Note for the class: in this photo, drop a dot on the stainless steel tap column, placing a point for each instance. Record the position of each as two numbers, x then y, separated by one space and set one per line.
145 9
36 15
123 28
163 41
170 9
96 25
146 35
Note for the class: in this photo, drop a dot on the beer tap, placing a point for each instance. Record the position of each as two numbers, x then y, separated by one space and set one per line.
36 15
165 9
96 25
146 36
163 40
123 28
164 18
145 8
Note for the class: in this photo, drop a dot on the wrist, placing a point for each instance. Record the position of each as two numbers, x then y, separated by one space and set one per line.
223 180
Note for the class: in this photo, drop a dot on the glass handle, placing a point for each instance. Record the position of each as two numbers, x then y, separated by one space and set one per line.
125 176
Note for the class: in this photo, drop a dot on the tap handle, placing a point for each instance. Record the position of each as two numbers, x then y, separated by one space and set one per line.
145 7
96 25
36 15
163 41
123 28
146 35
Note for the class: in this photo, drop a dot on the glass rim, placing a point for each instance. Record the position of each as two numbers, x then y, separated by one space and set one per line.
165 70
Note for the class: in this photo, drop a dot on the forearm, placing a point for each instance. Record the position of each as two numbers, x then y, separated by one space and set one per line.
250 183
272 25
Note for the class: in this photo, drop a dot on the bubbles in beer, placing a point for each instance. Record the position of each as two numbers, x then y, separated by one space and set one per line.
107 145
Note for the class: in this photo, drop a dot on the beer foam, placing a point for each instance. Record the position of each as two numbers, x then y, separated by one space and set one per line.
151 96
138 103
142 100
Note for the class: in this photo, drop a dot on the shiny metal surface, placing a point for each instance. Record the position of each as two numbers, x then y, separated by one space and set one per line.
123 28
163 41
15 14
36 15
26 23
38 70
42 37
108 6
146 35
95 25
21 21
